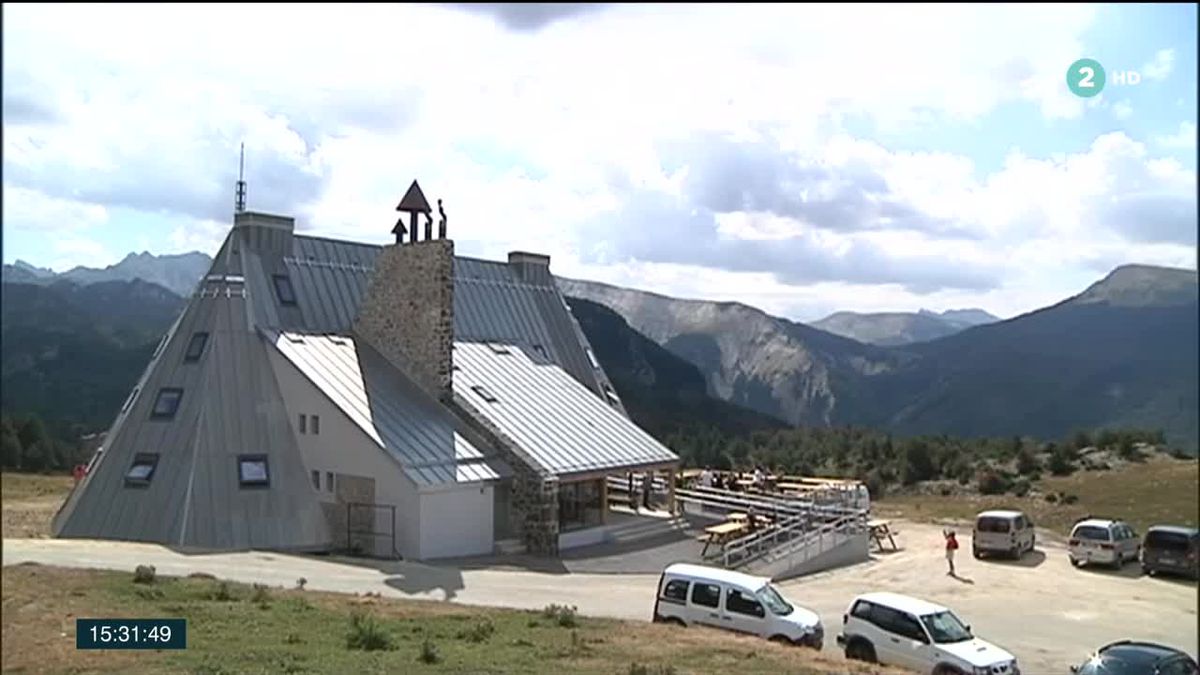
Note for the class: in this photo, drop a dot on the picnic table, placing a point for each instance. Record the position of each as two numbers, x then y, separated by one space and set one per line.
744 518
719 534
882 528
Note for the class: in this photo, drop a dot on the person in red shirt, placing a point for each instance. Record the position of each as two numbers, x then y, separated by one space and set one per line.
951 547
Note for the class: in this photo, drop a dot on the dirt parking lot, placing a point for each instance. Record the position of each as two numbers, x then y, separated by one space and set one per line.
1040 608
1044 611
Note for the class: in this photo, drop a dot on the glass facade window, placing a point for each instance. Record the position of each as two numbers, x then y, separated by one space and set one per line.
579 505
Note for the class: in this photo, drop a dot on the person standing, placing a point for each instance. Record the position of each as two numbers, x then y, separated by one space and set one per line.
647 484
951 547
706 477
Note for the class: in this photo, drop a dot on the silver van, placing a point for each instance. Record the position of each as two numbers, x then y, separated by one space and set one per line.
697 594
1006 532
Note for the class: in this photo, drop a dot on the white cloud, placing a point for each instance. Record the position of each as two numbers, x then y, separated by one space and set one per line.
1184 139
194 235
32 210
529 135
70 250
1160 67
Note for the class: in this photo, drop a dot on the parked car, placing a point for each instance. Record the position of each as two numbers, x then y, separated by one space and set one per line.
1137 658
897 630
1171 549
697 594
1104 541
1007 532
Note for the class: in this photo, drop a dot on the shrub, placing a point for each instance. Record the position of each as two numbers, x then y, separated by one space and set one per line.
262 595
367 634
292 639
201 575
144 574
992 482
1060 463
876 484
1021 487
429 652
1069 499
1129 452
562 615
1052 498
1027 462
223 593
479 632
300 583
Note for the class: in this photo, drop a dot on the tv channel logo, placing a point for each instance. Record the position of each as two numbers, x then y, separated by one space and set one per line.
1086 78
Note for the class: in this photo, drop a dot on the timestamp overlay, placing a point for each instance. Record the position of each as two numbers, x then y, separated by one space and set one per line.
131 633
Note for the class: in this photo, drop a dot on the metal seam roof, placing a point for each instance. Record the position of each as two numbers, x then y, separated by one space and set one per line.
560 423
419 434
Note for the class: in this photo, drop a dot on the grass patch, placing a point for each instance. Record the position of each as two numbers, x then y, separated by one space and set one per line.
1160 491
30 502
293 634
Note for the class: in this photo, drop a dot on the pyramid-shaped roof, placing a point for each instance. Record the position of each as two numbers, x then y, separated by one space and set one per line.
228 410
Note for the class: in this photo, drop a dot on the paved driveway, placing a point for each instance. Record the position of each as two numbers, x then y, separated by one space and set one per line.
1047 613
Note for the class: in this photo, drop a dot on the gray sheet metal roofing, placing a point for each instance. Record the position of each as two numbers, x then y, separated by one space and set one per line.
490 301
230 406
562 425
414 429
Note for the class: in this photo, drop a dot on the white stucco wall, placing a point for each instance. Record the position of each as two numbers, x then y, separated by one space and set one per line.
343 448
457 521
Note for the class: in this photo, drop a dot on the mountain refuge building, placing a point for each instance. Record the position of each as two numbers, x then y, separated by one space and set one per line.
398 400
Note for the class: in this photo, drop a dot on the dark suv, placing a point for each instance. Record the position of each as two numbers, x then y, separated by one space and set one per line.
1168 548
1137 658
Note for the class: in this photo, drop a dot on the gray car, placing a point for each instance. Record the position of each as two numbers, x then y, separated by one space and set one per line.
1172 549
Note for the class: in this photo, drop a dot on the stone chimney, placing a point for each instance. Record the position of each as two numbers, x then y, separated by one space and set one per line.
407 314
532 268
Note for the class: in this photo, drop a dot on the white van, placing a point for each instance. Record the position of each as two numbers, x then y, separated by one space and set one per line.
695 594
1007 532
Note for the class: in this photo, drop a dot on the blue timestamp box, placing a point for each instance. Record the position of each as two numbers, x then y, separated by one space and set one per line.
131 633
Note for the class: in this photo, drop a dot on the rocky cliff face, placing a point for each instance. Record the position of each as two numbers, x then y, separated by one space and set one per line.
786 369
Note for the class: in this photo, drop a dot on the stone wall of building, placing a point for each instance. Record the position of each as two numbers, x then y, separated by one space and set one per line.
408 317
408 312
534 496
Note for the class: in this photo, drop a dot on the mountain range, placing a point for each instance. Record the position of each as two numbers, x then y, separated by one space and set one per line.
901 328
177 273
1121 353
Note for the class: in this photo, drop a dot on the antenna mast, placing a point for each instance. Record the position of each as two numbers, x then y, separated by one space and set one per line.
240 200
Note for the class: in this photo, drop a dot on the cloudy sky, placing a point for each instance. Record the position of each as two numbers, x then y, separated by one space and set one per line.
802 159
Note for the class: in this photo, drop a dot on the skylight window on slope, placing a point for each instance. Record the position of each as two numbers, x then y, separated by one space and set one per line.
166 404
252 471
284 290
142 469
483 393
